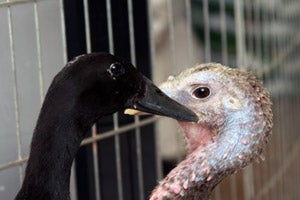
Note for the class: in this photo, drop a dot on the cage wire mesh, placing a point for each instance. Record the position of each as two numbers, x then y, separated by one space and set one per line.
261 36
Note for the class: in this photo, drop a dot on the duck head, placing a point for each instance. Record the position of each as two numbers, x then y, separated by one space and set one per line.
104 84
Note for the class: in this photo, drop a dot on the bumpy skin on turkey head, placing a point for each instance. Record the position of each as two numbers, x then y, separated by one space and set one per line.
234 126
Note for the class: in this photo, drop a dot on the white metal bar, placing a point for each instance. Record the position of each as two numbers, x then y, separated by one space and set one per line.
297 108
223 32
9 3
136 118
265 35
90 140
96 164
249 33
38 50
87 26
118 158
207 47
273 19
171 31
280 145
131 32
109 26
119 131
73 183
250 26
283 107
63 30
258 29
139 159
239 32
159 162
151 33
189 30
15 89
13 164
278 51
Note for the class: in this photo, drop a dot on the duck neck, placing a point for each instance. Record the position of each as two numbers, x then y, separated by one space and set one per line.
55 142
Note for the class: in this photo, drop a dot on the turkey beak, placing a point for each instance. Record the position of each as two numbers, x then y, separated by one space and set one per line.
154 101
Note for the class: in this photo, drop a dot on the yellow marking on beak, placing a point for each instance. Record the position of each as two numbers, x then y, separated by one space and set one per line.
130 111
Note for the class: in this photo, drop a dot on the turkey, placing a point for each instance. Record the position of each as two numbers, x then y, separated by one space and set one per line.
235 123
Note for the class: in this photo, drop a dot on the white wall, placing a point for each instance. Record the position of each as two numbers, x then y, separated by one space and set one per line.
25 79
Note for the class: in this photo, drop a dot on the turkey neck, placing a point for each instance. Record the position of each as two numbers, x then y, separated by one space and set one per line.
236 143
55 142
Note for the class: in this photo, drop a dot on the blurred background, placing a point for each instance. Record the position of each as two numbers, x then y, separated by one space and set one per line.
124 157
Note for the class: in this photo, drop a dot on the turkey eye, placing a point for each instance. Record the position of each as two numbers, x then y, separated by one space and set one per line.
201 92
116 69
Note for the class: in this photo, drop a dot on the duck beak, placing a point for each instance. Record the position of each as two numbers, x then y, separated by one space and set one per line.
154 101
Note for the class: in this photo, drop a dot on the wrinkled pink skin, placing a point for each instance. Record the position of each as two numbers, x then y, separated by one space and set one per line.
235 122
196 135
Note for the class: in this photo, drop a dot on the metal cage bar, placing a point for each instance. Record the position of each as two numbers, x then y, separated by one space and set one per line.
15 89
189 29
38 49
136 118
207 45
94 128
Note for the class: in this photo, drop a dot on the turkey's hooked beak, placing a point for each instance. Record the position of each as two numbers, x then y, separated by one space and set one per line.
156 102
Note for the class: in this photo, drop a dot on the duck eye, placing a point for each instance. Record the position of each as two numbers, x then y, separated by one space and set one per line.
201 92
116 69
